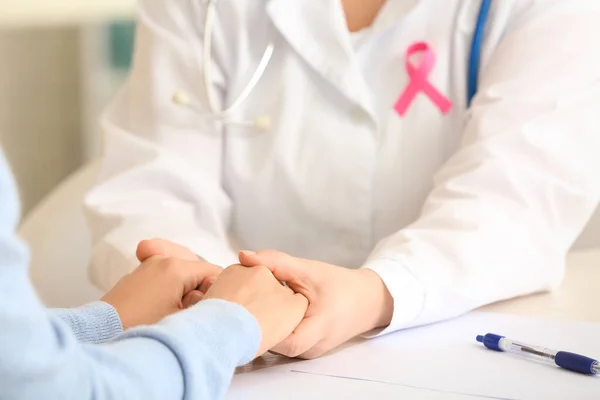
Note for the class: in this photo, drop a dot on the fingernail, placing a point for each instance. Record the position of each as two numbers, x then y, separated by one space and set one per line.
247 252
198 296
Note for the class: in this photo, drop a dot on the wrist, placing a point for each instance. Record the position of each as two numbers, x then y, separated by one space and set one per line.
107 299
379 303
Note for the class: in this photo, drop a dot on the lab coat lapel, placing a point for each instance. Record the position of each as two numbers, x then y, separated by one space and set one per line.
317 31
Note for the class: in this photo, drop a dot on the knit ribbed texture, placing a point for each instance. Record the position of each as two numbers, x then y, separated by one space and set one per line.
97 322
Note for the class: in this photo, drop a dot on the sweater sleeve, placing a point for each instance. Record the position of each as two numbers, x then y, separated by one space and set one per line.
97 322
191 355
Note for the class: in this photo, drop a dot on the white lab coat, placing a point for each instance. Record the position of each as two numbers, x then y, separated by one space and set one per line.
453 212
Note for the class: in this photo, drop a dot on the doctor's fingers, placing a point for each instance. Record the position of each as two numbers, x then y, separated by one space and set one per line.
283 266
304 341
164 248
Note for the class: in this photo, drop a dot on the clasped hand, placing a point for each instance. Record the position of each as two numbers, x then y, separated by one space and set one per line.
322 307
170 279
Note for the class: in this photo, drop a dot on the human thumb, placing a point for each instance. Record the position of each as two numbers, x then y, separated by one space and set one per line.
164 248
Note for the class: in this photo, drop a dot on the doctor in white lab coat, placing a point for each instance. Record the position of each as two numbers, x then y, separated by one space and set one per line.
400 220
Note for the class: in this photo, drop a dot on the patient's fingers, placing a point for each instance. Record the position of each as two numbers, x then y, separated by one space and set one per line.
192 274
164 248
192 298
207 283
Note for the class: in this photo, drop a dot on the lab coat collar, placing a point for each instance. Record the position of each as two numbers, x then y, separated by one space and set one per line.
318 32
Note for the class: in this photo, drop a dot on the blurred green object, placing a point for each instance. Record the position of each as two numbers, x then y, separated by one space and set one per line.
121 36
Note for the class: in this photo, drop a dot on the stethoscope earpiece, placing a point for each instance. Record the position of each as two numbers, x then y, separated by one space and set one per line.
261 123
180 98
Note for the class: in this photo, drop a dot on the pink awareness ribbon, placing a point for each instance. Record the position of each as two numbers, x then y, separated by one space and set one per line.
418 81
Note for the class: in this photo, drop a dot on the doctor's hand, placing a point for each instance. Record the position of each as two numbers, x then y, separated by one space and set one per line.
343 303
277 308
156 289
166 248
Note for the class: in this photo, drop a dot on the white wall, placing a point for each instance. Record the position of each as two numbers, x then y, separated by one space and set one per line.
48 99
54 84
40 116
58 12
99 85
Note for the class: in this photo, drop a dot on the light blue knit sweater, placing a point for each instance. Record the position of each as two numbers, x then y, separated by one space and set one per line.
190 355
95 323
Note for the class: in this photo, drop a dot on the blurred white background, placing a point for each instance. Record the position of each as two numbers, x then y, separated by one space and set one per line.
60 62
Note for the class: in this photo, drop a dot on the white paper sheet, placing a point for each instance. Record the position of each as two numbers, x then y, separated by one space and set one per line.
437 361
275 385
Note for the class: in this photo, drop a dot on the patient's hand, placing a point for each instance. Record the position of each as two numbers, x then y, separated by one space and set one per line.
277 308
165 248
157 288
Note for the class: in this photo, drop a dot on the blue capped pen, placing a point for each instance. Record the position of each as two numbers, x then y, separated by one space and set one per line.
564 359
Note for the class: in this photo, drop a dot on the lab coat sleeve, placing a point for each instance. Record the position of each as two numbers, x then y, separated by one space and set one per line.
161 168
508 205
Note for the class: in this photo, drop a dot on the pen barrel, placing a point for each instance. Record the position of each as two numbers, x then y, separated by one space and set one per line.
524 350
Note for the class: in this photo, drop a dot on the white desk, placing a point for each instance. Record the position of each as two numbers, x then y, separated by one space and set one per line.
576 299
17 13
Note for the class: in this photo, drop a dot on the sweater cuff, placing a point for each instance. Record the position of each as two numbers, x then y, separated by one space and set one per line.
96 322
406 290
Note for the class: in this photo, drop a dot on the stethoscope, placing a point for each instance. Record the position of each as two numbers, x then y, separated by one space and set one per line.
263 122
